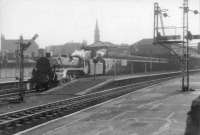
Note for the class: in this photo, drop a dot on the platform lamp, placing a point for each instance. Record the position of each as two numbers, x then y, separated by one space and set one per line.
22 47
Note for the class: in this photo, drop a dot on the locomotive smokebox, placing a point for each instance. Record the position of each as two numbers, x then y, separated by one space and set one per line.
48 54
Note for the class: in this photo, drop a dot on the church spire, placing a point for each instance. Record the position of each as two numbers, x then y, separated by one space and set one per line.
96 33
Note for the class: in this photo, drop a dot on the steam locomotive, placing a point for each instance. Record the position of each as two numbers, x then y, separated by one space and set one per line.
105 61
44 75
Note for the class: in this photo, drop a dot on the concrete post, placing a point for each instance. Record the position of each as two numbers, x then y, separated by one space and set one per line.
151 66
132 68
145 67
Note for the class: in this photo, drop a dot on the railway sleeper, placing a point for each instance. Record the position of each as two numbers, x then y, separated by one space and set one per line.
72 107
35 119
5 118
28 112
19 124
7 126
28 121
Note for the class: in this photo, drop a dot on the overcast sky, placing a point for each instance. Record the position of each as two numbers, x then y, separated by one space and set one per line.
61 21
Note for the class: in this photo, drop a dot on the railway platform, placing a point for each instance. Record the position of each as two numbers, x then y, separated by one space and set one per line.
74 88
61 92
71 89
160 109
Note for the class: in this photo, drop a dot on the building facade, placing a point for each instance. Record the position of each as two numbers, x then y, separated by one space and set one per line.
11 46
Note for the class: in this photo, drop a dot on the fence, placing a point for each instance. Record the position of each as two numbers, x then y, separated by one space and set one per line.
7 74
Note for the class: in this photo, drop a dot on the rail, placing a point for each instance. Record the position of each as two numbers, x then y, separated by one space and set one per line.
10 89
26 118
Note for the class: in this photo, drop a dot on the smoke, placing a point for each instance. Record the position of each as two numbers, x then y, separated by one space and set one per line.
101 52
82 53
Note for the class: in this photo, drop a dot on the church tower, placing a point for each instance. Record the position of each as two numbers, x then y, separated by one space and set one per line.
96 33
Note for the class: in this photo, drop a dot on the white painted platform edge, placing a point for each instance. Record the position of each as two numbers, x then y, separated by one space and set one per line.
94 87
59 87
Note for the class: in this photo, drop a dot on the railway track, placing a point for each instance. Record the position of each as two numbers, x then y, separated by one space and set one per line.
14 122
13 93
10 84
13 90
9 90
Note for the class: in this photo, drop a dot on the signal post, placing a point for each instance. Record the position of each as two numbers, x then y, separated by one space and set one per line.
22 47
